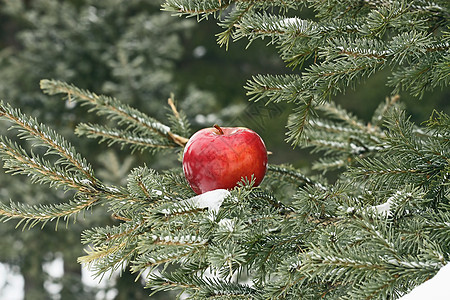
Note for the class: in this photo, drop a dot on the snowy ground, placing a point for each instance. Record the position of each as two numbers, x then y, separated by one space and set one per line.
12 284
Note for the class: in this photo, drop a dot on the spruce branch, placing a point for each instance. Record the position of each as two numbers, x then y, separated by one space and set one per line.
331 77
135 121
350 41
69 171
31 215
200 287
438 124
343 138
112 247
438 228
197 8
29 128
410 157
373 253
276 27
274 88
18 161
241 9
383 110
106 259
299 119
165 254
110 235
179 124
292 174
381 228
123 137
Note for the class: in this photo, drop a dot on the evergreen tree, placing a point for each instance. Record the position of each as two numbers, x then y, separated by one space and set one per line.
110 47
378 230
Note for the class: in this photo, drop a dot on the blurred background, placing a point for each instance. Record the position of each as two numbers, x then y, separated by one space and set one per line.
133 51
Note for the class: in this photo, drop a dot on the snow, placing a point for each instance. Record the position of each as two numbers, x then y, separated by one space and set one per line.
287 22
384 208
12 282
211 200
227 224
437 288
55 269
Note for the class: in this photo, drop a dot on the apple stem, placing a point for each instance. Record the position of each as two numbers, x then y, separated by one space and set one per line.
218 128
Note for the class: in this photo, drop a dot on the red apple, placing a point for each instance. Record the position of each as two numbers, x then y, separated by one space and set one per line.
219 157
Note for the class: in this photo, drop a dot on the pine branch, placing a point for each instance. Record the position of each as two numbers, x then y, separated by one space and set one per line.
134 120
70 171
31 215
200 287
200 9
291 174
384 109
409 157
274 88
18 161
112 136
29 128
299 119
231 20
179 123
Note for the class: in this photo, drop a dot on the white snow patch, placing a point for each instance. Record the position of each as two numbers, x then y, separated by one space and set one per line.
384 208
437 288
211 200
11 283
157 192
289 21
227 224
55 269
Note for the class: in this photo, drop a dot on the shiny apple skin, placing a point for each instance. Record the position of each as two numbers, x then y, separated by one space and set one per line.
212 160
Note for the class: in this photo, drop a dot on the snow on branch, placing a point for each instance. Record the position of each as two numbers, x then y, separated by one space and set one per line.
437 288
